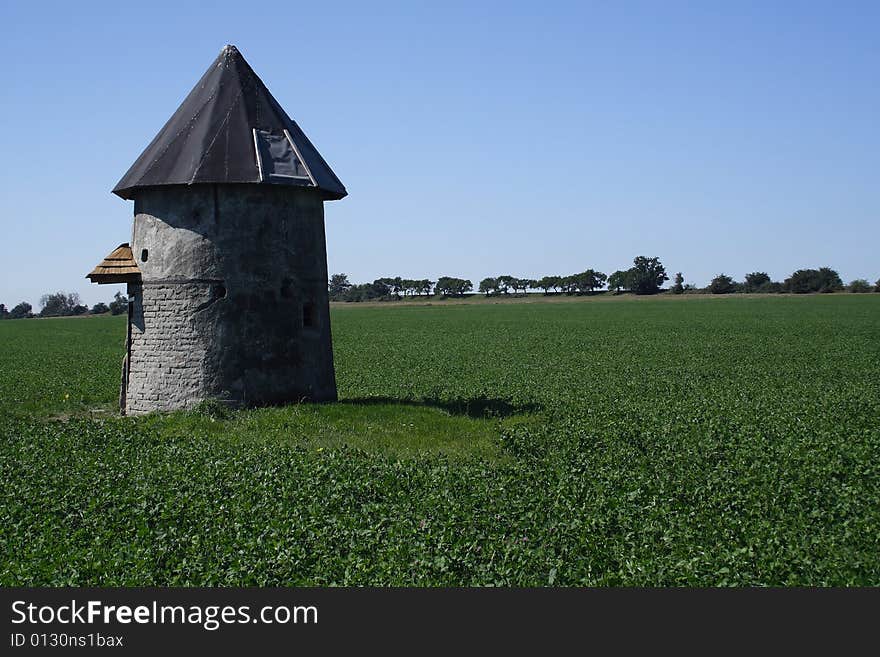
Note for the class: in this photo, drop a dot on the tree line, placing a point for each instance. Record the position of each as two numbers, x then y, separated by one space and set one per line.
646 276
802 281
64 304
385 289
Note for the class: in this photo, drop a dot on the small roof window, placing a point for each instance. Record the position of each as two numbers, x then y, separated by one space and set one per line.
277 157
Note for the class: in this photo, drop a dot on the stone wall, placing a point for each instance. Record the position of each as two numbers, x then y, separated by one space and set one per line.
167 349
233 304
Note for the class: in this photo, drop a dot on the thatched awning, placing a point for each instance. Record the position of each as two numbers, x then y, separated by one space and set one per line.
118 267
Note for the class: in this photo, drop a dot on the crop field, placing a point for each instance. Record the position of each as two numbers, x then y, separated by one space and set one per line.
687 441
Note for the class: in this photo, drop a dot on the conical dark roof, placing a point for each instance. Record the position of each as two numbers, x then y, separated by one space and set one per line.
230 130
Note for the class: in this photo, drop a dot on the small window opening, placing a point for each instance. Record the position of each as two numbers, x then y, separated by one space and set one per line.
309 318
219 291
144 255
286 288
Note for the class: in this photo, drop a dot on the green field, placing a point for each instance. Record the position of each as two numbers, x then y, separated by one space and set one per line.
690 441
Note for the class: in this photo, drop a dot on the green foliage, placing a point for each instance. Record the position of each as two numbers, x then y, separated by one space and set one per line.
60 367
213 409
21 311
757 281
548 283
367 292
452 287
722 284
386 287
860 285
119 305
100 308
338 286
770 287
813 280
617 281
418 286
585 282
678 285
382 289
588 281
646 276
488 286
522 285
664 441
503 284
61 304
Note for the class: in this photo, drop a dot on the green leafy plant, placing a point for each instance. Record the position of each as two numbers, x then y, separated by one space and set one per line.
641 442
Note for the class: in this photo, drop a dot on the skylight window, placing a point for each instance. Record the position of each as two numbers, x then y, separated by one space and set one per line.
277 158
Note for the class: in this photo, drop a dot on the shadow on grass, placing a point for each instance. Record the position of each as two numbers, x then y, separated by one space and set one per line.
478 408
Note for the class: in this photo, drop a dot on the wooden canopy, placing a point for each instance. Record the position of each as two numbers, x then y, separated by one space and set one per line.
118 267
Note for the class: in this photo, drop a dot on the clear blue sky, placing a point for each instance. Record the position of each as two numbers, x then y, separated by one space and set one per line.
474 138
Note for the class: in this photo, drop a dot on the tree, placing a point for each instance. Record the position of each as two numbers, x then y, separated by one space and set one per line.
804 281
365 292
547 283
646 275
521 284
4 314
617 281
678 284
587 281
356 293
829 280
79 309
382 287
722 284
338 286
53 304
21 311
453 287
860 285
580 282
504 283
593 279
801 281
100 308
410 286
877 286
58 304
119 304
488 286
397 285
770 287
756 280
393 286
423 286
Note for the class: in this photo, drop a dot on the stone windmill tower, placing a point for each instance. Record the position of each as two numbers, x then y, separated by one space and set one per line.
227 267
